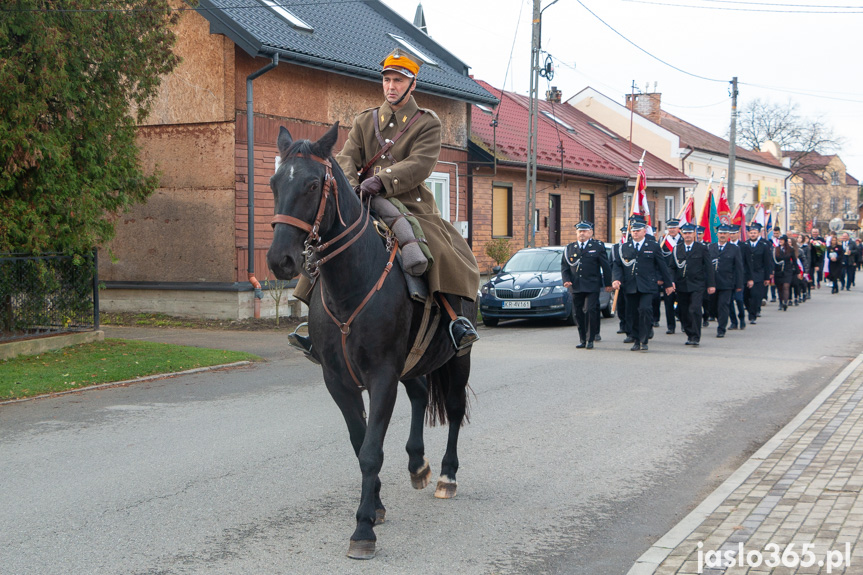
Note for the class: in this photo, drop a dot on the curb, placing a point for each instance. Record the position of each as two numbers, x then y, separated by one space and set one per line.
129 381
659 551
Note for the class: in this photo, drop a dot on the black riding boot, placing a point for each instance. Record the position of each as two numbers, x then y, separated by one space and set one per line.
303 343
462 332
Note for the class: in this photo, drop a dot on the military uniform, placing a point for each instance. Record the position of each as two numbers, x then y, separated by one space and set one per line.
728 266
737 312
639 271
668 243
758 255
585 265
623 325
403 172
693 273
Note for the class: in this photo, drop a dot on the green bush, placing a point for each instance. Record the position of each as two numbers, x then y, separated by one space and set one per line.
498 250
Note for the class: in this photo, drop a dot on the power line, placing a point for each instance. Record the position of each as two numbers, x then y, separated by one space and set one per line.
658 59
853 10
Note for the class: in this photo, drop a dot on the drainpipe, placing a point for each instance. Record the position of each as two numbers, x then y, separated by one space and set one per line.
250 177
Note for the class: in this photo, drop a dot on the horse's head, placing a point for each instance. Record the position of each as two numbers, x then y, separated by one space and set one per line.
304 187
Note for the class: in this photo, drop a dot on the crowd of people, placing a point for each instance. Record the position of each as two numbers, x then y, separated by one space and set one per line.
724 282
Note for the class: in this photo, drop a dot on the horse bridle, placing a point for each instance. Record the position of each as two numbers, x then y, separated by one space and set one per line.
312 245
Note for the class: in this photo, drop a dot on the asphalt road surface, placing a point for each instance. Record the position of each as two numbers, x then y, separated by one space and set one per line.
574 461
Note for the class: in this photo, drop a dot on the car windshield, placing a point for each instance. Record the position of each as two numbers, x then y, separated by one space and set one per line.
534 261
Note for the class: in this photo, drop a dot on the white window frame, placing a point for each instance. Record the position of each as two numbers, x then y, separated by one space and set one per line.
669 208
440 178
287 15
412 48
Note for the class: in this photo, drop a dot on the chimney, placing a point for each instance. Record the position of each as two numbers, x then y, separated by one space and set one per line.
648 105
553 95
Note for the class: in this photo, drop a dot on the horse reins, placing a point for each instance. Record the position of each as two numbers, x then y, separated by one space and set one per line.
313 247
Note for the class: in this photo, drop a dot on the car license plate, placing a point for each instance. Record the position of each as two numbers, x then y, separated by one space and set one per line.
516 304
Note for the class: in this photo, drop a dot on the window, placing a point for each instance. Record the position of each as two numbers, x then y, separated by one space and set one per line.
611 135
410 47
438 184
792 204
669 208
834 178
847 205
554 118
834 205
288 16
501 211
586 207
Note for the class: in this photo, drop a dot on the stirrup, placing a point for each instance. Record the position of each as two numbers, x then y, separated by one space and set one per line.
468 335
302 342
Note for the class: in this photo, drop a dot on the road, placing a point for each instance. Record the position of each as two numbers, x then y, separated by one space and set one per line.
574 461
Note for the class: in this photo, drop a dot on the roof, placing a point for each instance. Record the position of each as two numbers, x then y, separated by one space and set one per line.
698 139
589 147
511 140
349 38
851 180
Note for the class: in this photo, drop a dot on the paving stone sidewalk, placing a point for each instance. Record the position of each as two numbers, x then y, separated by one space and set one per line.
803 487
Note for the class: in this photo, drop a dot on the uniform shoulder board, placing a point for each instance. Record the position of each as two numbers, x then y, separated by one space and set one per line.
432 112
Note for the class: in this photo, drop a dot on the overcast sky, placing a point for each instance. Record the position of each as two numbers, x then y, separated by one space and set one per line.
808 57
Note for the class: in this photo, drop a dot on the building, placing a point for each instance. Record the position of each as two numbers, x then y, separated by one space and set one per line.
760 177
193 247
821 190
584 171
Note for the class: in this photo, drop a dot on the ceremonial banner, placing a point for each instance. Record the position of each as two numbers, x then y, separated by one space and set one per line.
723 210
687 212
738 218
709 219
639 200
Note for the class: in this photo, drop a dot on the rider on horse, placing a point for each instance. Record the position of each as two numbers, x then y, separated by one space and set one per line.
413 138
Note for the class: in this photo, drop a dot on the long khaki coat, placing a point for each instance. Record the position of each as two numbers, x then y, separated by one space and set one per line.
403 172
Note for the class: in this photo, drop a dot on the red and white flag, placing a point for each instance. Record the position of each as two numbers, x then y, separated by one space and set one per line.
639 202
687 212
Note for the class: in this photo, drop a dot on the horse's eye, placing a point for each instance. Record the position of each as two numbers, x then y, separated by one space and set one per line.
314 186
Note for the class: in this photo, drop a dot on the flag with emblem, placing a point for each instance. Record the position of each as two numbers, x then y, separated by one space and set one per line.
723 209
738 218
639 202
709 219
687 212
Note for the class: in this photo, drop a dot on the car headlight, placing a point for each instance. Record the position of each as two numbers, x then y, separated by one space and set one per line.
488 290
559 289
544 291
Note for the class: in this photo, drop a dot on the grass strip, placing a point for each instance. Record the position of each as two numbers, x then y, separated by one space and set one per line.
103 362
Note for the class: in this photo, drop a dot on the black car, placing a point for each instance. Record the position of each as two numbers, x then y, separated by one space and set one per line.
529 286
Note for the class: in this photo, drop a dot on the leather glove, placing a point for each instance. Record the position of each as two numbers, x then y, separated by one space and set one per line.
371 187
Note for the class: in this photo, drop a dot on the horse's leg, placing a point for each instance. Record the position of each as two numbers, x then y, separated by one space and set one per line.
456 373
350 402
418 464
382 399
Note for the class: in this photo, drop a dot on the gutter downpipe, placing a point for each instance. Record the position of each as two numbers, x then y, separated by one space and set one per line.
250 177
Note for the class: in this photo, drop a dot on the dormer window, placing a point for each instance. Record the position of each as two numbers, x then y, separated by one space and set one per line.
288 16
834 175
411 48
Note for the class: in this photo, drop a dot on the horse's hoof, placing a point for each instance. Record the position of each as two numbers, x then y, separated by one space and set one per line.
380 516
361 549
446 488
420 479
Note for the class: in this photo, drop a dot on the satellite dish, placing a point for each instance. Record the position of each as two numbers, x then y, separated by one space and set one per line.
836 224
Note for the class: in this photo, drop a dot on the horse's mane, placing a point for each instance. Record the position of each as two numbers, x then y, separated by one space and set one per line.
300 147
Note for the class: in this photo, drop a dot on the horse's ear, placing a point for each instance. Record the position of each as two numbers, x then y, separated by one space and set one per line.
285 139
328 141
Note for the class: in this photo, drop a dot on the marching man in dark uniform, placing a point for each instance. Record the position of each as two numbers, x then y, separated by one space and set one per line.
668 243
693 273
642 266
737 313
585 271
624 325
757 251
728 266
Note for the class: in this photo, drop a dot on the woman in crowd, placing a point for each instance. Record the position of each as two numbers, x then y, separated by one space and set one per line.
833 263
785 258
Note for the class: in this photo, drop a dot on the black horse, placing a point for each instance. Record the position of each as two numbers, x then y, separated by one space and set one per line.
363 323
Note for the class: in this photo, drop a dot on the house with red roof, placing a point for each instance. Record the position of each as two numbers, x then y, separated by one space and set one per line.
760 177
584 171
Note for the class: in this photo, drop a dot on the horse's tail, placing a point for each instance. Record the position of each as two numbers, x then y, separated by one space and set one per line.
448 396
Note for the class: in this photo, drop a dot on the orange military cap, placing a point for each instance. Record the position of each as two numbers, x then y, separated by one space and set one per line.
403 62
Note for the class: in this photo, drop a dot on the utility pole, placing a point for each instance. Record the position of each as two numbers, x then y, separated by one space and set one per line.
530 187
732 152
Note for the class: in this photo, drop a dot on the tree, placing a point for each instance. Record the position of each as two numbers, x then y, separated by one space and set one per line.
77 76
760 121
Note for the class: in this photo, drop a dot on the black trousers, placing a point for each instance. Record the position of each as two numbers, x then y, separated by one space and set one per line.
657 298
723 305
689 304
754 294
849 272
625 326
639 310
737 311
586 314
670 319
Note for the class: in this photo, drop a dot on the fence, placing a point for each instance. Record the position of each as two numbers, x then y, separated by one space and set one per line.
47 294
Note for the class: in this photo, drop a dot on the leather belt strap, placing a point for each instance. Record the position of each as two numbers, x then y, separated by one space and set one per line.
386 145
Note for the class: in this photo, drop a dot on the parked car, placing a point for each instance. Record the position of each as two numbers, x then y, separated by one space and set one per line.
529 286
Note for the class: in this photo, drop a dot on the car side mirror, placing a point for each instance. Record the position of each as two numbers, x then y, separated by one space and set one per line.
495 269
